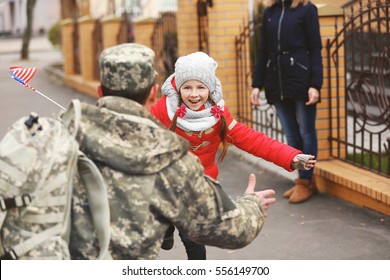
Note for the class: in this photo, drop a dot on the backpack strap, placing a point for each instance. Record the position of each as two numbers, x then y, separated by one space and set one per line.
98 202
93 182
26 246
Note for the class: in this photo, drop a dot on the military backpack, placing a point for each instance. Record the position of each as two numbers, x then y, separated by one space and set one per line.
40 166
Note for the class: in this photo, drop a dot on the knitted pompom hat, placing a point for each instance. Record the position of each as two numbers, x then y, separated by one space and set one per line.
196 66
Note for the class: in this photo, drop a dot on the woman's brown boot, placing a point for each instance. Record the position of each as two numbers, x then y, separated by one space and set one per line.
302 191
289 192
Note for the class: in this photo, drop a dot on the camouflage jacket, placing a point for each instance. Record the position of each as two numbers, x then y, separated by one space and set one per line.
153 181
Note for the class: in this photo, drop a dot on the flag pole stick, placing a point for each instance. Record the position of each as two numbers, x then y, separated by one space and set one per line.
23 75
48 98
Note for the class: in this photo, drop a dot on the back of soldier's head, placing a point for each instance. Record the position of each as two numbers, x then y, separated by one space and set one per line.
127 70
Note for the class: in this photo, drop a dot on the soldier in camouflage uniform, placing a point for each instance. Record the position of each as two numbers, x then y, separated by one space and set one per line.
152 179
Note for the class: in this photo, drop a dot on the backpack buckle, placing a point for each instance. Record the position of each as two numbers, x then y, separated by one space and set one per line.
26 199
17 201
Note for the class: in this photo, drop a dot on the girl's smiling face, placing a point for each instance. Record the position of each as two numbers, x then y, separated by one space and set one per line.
194 94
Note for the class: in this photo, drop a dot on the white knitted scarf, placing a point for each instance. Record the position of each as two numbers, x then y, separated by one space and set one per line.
193 120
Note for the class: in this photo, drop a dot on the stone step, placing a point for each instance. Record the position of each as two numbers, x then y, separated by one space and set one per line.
353 184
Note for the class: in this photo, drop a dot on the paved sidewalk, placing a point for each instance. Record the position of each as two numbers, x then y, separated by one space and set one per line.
323 228
11 45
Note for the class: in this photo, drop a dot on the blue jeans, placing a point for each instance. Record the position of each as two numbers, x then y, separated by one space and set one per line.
298 123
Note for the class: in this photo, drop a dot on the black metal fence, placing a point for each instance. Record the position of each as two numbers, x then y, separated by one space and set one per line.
97 48
203 24
359 87
76 48
164 43
261 118
362 44
126 32
164 40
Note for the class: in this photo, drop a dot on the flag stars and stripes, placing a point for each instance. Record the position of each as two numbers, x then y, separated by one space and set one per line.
23 75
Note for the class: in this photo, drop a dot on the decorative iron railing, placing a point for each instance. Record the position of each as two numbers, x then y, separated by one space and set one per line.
76 48
361 89
164 43
203 24
125 33
261 118
97 48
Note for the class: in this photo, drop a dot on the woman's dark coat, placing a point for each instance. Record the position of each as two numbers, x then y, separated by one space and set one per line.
289 59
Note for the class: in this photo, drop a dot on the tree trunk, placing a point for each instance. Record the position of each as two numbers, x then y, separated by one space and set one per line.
28 31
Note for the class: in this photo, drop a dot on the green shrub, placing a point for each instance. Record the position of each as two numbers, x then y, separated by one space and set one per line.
54 34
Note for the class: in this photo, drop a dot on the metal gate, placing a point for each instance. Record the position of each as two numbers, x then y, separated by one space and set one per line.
164 43
358 61
261 118
76 48
97 48
203 24
359 87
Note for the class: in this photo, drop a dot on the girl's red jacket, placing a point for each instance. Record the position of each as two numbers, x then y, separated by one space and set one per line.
205 144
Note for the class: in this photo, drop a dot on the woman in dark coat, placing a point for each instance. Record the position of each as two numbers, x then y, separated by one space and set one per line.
289 68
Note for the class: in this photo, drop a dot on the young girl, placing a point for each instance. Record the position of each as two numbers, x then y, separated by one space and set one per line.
193 107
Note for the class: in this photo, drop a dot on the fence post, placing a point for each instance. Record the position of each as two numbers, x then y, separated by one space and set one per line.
111 26
187 21
143 30
327 18
67 29
86 44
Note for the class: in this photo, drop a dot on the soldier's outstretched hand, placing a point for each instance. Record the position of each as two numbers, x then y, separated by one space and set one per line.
265 196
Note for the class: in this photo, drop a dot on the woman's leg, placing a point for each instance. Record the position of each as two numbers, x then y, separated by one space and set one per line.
286 112
194 250
298 123
306 116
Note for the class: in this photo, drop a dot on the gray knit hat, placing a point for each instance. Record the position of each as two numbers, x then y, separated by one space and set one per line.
127 66
196 66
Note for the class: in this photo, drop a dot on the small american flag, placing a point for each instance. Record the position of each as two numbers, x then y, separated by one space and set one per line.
23 75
